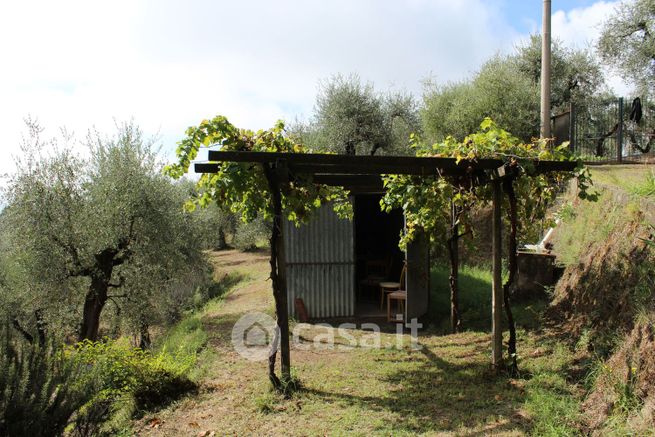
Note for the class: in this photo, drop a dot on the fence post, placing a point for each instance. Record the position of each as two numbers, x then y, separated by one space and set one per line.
619 133
572 127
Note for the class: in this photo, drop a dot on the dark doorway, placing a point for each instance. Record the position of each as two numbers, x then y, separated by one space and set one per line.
376 250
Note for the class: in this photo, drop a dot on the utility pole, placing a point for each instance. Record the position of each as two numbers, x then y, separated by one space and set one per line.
545 72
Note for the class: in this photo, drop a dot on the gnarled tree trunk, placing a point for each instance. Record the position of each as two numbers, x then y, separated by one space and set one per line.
94 302
512 266
278 279
453 279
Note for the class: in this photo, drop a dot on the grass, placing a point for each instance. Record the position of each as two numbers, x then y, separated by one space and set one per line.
475 301
645 188
622 176
584 224
447 387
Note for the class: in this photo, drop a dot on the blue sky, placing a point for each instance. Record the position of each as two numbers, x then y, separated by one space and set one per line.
525 15
169 64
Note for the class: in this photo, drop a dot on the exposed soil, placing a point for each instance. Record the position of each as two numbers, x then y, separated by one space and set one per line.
597 292
608 296
627 379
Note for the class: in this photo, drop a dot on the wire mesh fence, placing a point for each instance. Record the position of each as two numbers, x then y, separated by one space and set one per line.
614 131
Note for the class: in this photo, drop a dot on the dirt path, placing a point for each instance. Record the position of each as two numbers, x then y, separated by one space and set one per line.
444 389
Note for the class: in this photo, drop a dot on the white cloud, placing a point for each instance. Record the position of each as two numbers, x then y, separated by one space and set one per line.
581 27
170 64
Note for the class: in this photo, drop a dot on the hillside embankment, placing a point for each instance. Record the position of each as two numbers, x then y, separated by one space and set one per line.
605 298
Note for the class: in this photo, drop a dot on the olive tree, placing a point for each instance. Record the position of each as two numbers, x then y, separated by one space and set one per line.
506 89
497 91
350 117
89 231
627 42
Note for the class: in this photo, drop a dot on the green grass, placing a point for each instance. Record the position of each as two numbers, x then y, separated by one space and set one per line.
475 301
588 222
645 188
550 400
621 176
474 296
189 336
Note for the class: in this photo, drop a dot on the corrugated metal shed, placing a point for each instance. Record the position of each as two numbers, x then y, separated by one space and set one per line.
320 260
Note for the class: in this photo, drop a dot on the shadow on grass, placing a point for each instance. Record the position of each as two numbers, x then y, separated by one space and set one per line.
223 285
434 394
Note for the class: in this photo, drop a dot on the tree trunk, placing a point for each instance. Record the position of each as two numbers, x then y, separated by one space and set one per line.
40 326
221 243
26 335
512 266
95 301
144 336
453 252
278 279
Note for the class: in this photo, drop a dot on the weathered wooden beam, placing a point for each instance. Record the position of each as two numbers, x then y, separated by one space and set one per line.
206 167
328 159
310 163
497 286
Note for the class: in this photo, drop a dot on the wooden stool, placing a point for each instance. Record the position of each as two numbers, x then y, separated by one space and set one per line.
401 297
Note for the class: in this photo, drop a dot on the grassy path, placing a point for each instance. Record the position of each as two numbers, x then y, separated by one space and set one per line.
444 389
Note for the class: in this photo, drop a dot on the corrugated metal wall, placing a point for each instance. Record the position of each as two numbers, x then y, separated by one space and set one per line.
320 259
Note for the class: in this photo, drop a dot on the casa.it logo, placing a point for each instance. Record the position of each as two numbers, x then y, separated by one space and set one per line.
255 336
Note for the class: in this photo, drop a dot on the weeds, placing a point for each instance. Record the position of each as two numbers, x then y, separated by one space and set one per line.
646 188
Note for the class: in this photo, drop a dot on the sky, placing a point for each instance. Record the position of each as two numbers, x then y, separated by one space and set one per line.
168 64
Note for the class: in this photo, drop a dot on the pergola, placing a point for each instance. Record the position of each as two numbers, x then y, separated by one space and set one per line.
364 172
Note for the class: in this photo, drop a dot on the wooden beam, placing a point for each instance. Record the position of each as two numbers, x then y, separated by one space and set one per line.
205 167
328 159
497 286
366 164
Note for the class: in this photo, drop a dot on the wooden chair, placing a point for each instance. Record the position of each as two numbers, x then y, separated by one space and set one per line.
401 297
389 287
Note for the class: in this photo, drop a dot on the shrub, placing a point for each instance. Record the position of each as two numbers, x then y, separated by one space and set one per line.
150 379
249 235
40 390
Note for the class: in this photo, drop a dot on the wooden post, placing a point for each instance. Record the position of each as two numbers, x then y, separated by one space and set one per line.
619 132
497 287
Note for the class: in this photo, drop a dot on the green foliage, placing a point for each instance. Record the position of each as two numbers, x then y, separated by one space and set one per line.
110 227
214 225
427 201
576 75
627 42
506 89
497 91
151 379
243 187
351 117
40 390
566 212
249 235
188 337
647 187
